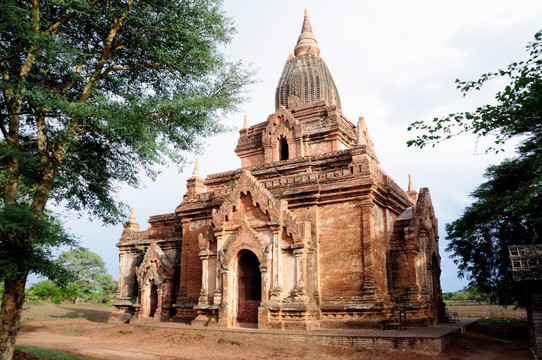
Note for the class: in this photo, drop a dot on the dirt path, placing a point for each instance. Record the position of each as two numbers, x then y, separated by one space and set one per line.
113 341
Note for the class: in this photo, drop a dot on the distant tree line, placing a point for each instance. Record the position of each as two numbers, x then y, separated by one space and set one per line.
47 290
90 282
470 293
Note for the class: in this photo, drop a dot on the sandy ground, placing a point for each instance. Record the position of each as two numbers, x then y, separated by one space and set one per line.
83 329
98 340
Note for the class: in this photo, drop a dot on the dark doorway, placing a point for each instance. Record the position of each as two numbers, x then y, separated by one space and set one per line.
436 274
440 312
249 285
153 301
283 148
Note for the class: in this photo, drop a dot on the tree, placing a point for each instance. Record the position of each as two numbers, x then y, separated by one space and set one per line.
88 269
507 208
45 290
95 93
518 110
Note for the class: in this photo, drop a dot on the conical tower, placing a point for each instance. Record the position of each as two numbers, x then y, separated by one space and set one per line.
305 74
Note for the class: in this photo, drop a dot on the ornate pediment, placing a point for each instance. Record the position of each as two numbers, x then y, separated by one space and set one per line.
276 209
245 237
261 198
425 213
155 264
282 123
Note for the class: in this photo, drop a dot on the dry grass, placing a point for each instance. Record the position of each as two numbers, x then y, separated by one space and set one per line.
49 311
489 340
100 312
489 311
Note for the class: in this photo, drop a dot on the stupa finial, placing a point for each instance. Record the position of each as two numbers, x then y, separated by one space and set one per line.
362 132
245 124
132 219
196 169
306 43
410 184
130 226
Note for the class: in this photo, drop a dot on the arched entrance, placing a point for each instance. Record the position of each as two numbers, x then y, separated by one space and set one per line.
153 300
283 149
249 287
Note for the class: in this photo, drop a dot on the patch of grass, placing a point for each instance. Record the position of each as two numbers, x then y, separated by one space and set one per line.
191 336
228 341
48 354
75 332
65 311
125 332
31 318
490 311
500 321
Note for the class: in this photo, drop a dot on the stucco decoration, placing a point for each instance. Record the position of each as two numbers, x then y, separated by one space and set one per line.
277 210
155 264
244 238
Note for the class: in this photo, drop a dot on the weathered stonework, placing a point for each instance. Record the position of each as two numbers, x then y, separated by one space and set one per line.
309 233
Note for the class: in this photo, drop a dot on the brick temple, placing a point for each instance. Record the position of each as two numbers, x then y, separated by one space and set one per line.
308 233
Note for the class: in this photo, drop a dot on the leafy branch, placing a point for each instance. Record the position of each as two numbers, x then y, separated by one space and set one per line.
518 109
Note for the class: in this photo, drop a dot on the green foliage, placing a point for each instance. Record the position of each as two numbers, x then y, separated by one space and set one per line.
470 293
506 211
518 109
507 208
92 282
94 94
48 354
27 241
507 322
44 290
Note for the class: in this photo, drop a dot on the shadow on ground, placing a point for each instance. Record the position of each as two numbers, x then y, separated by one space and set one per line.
89 314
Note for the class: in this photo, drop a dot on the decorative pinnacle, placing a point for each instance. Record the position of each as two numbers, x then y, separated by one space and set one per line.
130 226
245 124
132 219
361 140
196 169
410 184
306 43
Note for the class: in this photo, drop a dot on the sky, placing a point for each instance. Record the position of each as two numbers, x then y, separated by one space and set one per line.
394 62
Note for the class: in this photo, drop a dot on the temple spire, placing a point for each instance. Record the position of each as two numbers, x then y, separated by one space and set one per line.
194 184
410 183
196 169
411 189
130 226
363 132
132 219
245 124
306 43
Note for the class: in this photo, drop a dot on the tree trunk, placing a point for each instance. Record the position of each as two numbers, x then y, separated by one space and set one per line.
10 314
